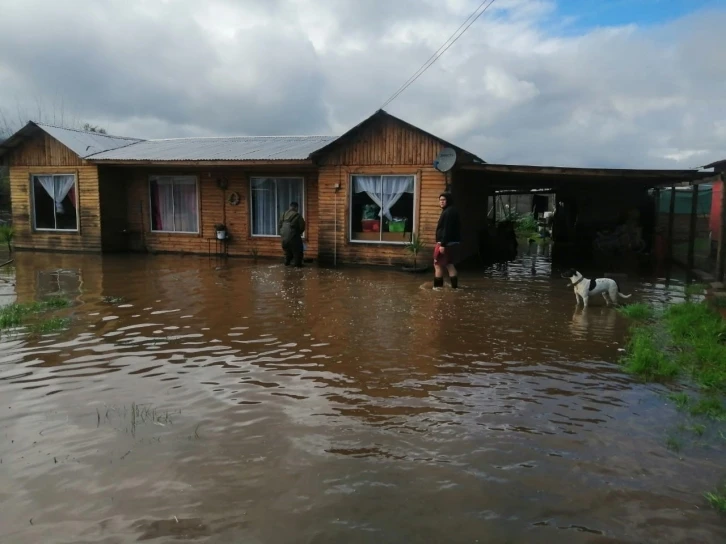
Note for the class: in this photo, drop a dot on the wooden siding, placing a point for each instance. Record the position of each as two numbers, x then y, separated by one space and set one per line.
387 142
334 238
44 150
215 208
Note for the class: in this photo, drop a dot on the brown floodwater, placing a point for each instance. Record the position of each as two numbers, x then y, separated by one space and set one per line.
202 401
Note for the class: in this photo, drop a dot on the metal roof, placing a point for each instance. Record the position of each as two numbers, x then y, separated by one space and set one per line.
84 143
238 148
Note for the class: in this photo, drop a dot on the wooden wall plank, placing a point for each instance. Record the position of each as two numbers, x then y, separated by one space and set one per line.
215 208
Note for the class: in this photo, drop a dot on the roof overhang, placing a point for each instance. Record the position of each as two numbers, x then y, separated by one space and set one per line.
206 164
535 177
18 138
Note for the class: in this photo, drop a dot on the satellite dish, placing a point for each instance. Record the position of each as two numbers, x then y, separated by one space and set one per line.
445 160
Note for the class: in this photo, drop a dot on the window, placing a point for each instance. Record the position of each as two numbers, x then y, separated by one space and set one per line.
270 198
382 209
54 202
174 204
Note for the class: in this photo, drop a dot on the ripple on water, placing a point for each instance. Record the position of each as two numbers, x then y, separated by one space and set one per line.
214 398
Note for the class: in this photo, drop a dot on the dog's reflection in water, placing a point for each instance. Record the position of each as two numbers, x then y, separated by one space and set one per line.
597 321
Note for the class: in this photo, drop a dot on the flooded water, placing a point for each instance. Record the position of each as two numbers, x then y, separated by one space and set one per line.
202 401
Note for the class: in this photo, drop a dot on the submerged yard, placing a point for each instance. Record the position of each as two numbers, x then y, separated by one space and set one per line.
181 398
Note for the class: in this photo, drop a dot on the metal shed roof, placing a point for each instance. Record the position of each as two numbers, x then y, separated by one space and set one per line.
238 148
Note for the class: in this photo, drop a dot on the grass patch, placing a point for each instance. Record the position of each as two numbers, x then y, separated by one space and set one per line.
674 443
695 289
638 311
113 300
645 357
49 325
718 302
15 315
717 499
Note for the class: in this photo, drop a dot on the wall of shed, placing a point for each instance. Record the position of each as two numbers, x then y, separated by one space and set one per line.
214 208
45 155
471 196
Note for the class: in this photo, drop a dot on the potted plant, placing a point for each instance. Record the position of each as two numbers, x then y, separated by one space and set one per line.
414 247
221 230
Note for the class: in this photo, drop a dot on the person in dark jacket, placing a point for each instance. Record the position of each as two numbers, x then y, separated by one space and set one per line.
448 240
291 227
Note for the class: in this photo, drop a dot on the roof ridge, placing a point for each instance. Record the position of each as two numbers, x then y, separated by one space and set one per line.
308 136
88 132
131 143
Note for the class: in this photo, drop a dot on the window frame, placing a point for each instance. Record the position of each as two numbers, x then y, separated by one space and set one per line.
197 187
33 175
351 240
277 219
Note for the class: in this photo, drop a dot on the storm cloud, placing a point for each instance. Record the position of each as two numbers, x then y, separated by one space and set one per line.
521 85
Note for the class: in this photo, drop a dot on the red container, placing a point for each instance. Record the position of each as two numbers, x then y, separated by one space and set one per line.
371 225
715 221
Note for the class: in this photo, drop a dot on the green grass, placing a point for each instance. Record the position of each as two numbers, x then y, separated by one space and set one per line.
674 443
15 315
7 234
644 357
717 499
49 325
638 311
682 400
695 289
708 405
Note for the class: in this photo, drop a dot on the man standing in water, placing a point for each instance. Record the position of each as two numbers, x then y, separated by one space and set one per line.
448 238
291 227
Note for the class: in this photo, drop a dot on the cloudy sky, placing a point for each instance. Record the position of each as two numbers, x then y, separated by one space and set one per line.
615 83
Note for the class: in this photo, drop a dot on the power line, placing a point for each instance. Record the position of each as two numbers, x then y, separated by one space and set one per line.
433 58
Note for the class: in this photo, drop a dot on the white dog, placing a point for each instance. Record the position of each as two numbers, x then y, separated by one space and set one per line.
585 288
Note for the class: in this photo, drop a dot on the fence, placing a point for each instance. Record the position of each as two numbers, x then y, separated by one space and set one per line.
696 225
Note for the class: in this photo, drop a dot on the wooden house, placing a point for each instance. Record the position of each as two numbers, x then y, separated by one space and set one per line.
363 194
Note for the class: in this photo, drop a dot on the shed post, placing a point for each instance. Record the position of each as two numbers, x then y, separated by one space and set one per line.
656 211
721 255
671 220
692 227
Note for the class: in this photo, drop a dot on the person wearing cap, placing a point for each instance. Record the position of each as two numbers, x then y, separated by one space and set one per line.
291 227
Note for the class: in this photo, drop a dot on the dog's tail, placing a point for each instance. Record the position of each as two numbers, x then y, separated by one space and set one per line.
624 296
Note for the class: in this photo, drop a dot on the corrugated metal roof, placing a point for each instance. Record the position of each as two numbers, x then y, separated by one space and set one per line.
84 143
238 148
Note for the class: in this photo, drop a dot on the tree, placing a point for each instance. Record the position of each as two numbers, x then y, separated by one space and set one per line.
88 127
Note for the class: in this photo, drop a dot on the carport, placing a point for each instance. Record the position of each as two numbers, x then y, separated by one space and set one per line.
588 200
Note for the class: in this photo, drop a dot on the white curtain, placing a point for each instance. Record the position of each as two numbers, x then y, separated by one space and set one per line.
57 188
385 191
185 205
289 190
271 197
264 207
63 185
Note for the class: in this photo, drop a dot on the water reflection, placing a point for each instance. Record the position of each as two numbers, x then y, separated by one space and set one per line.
194 399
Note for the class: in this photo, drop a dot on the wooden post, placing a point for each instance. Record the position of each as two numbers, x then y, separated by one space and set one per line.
656 223
721 259
692 228
671 220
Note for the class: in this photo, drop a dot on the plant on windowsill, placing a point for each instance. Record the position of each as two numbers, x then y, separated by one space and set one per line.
221 230
414 247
